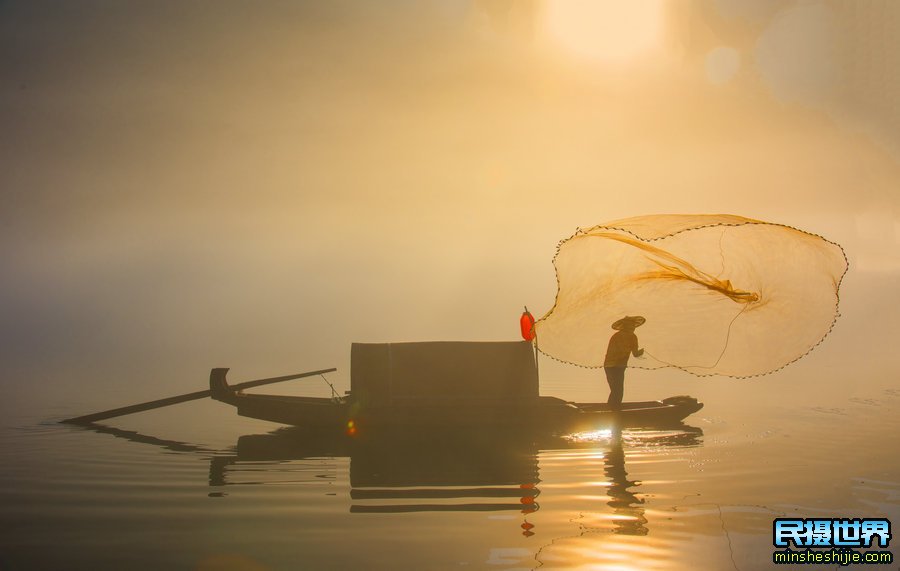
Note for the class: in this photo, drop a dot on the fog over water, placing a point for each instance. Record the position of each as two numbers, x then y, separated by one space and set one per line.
189 185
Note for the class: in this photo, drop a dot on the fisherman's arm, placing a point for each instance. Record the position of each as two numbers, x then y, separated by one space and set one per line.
634 347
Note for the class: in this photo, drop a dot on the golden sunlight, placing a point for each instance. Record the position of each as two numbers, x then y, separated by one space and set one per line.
590 436
610 31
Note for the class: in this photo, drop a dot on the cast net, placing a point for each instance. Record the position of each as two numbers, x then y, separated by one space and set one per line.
721 294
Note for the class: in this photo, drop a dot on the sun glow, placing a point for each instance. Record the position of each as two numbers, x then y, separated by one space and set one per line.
610 31
590 436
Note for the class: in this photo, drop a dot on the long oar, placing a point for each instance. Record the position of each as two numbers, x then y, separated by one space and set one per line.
183 398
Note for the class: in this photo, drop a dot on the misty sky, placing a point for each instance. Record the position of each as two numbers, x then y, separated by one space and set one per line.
257 185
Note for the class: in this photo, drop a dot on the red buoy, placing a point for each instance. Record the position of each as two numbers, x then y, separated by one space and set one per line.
526 323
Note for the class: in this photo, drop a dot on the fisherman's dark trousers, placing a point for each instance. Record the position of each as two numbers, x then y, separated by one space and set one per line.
615 376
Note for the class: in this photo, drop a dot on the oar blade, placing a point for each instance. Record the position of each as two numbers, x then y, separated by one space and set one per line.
150 405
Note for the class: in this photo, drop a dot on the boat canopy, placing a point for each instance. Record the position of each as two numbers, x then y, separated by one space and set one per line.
386 374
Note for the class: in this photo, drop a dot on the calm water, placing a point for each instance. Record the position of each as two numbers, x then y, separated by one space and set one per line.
195 487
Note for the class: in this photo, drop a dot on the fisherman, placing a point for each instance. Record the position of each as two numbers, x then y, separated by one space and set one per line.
622 344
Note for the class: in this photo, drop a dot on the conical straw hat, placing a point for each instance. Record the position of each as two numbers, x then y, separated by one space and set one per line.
635 320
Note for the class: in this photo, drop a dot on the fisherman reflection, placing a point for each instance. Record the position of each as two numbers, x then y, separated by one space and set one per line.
630 518
622 345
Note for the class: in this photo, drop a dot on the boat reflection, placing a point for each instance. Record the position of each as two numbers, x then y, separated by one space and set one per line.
397 473
459 471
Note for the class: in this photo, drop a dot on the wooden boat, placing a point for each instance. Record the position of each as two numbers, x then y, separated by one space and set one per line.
446 384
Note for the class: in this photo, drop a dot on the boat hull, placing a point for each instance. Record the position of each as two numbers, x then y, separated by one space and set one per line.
546 413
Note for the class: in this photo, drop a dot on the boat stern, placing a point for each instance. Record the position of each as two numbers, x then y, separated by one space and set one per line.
218 386
688 404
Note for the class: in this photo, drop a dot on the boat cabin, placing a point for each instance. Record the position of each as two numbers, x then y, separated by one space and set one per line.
442 372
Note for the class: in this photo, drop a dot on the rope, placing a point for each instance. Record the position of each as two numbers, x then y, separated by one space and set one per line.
334 395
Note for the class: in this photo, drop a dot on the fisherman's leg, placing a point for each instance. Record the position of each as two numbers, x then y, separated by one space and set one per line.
615 377
619 387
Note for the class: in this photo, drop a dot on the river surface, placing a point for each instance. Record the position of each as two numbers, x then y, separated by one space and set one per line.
196 487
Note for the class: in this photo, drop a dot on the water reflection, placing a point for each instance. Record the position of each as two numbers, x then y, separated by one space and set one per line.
626 503
630 518
134 436
452 471
397 473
